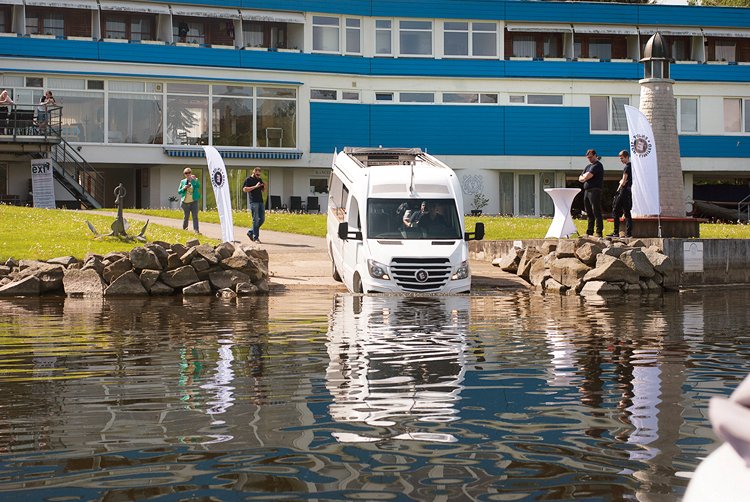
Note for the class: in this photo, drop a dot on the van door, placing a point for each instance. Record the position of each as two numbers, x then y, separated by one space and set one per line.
352 248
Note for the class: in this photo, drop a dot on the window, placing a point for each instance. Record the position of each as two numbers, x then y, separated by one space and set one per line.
464 98
128 26
83 120
417 97
5 18
533 45
600 48
680 48
319 185
545 99
323 94
726 50
350 95
608 113
134 116
517 100
383 37
524 46
232 114
383 96
687 113
276 115
190 31
736 115
265 34
353 39
325 34
415 38
187 114
470 39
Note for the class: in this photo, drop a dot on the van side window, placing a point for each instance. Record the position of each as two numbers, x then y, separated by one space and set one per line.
354 221
336 197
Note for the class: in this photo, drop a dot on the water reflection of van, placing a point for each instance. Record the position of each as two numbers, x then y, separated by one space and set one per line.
395 223
397 362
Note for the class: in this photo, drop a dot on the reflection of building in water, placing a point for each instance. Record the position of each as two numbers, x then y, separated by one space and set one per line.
395 361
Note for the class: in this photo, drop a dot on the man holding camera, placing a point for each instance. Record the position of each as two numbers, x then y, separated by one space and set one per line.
254 187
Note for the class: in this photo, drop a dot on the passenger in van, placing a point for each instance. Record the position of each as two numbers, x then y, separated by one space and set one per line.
429 219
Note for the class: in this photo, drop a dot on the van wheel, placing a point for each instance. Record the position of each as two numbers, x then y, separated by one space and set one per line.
335 273
357 284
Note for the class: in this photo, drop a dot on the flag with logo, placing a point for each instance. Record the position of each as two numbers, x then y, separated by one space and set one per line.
645 168
219 181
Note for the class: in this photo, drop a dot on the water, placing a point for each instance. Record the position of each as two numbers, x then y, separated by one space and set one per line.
513 396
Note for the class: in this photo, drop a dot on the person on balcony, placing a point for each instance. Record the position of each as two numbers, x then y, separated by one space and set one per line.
42 114
5 100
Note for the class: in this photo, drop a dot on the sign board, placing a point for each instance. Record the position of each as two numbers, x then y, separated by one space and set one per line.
42 183
692 256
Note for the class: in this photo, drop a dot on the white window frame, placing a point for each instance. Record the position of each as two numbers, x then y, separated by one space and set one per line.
348 99
403 93
335 95
389 30
337 27
744 116
402 31
697 114
345 32
470 32
610 114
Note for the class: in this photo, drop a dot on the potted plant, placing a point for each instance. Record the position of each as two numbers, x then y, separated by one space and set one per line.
479 202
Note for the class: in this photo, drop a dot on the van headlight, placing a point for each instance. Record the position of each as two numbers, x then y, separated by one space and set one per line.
462 272
377 270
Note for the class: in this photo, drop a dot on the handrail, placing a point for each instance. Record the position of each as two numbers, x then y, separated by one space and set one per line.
74 167
745 201
29 120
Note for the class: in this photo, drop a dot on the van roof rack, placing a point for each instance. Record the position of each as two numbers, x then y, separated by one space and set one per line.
369 157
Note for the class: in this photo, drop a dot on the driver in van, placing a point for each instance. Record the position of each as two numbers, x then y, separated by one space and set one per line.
429 218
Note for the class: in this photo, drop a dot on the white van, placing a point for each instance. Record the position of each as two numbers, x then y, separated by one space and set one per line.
395 223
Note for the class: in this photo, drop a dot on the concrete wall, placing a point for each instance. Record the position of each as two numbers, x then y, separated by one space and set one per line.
725 261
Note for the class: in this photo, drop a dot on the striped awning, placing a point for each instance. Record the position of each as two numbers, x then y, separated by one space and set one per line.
234 154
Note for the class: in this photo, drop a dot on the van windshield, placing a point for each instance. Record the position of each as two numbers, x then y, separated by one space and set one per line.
413 219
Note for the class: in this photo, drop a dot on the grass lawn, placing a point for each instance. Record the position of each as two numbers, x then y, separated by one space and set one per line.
41 234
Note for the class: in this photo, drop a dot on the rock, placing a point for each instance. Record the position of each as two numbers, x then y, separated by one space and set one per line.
161 253
144 259
587 251
83 282
192 243
553 286
524 266
4 270
179 277
637 261
615 251
662 263
599 288
258 254
262 286
65 261
27 286
125 285
538 272
197 289
651 286
173 261
226 293
10 262
159 288
246 289
148 278
227 279
509 262
116 269
178 249
224 250
200 264
188 256
549 246
568 271
50 276
94 262
566 248
207 252
611 270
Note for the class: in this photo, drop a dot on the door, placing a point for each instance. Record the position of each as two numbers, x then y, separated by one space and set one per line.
506 194
526 195
352 248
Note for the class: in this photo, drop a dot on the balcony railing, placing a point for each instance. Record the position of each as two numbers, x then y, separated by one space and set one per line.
30 123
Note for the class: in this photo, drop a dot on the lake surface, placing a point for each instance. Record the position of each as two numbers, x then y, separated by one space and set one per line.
507 396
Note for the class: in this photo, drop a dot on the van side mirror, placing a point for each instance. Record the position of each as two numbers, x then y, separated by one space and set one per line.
345 234
477 234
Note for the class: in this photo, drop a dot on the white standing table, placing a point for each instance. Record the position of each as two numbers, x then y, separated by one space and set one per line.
562 223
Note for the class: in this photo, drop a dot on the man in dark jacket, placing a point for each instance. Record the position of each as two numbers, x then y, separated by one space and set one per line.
623 202
592 178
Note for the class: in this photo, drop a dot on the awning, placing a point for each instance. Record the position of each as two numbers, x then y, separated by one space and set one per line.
13 2
234 154
272 16
673 31
540 27
151 8
605 29
206 12
67 4
726 32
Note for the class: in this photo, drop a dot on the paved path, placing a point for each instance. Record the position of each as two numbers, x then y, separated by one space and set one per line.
301 260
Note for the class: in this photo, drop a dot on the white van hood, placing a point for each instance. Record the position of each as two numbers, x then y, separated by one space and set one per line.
453 249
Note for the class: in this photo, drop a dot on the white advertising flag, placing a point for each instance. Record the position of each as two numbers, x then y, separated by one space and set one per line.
219 181
643 161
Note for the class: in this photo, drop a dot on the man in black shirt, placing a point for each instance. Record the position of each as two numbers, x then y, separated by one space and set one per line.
623 202
592 178
254 186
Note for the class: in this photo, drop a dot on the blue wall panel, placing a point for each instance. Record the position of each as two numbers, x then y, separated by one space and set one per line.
438 67
717 146
49 48
336 125
169 54
573 69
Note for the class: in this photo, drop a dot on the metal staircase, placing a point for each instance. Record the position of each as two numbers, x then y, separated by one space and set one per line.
78 177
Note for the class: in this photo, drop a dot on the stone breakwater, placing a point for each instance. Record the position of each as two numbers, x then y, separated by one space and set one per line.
589 266
157 268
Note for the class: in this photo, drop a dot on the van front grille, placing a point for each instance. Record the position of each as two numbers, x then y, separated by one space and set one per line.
421 274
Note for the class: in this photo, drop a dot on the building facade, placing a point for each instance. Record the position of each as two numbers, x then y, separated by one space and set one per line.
508 93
